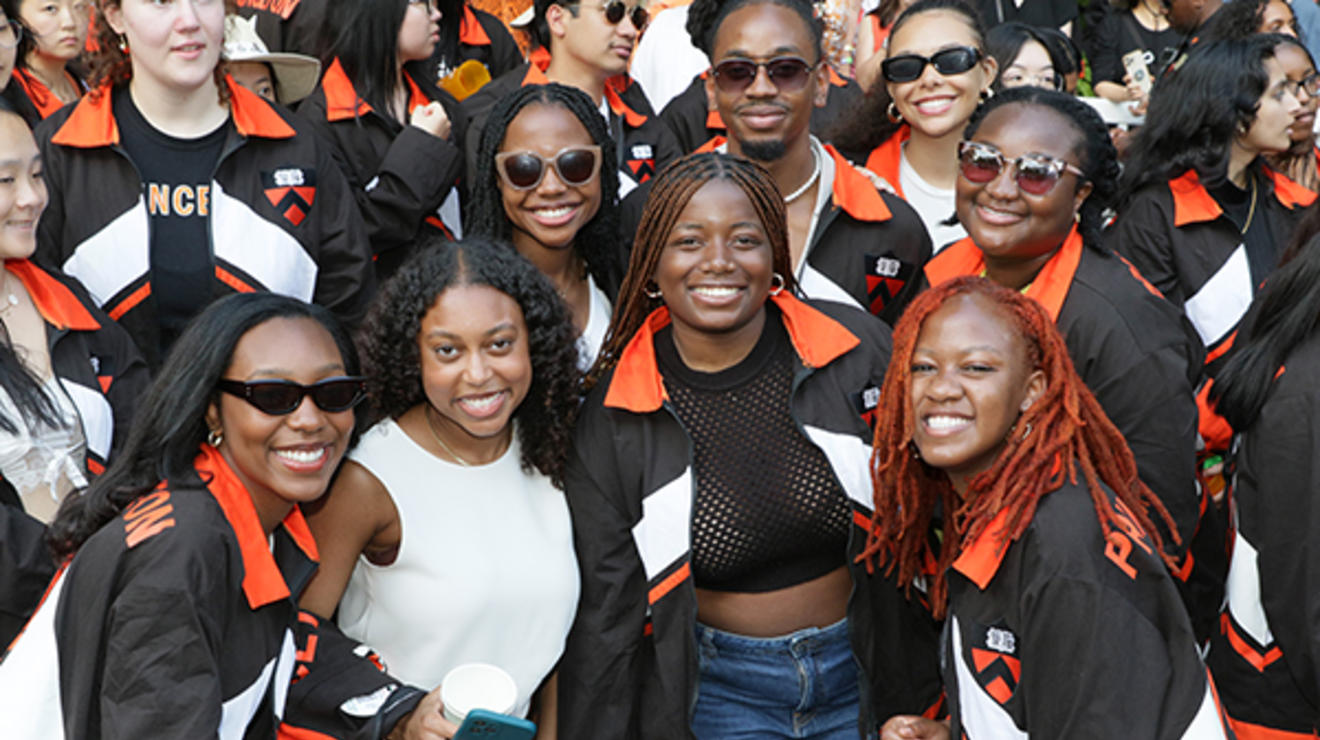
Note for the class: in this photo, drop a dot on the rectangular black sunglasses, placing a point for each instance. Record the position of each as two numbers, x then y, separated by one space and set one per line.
280 397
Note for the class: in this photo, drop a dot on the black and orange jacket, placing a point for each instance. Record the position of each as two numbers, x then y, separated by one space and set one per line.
867 249
1180 240
102 373
886 159
177 619
630 665
41 99
281 217
483 37
398 173
1072 632
692 123
1265 656
1132 348
643 145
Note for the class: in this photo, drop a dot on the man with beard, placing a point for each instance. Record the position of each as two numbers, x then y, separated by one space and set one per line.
850 242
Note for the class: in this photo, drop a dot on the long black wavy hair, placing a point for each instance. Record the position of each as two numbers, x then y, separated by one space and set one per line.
392 358
1285 313
1238 19
870 126
1094 150
1196 111
170 425
596 243
706 16
364 35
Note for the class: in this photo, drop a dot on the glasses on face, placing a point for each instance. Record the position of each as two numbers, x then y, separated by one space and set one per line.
1036 173
787 74
10 34
949 62
615 10
1309 84
575 166
1047 80
280 397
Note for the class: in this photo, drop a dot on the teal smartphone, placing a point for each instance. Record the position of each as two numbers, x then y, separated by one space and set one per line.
483 725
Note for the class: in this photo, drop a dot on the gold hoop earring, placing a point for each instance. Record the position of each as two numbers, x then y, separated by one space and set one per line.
215 438
652 293
776 284
892 112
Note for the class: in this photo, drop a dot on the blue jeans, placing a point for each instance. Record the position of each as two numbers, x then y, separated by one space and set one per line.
801 685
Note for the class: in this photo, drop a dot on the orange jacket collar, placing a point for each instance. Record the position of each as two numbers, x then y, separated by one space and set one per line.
884 160
1192 203
540 59
980 560
342 101
1049 288
45 101
262 581
636 385
55 302
470 31
92 122
854 192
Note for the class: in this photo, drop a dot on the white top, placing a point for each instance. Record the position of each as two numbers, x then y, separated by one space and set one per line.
43 464
485 572
598 322
932 204
665 61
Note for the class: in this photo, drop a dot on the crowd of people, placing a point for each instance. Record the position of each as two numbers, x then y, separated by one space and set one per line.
925 369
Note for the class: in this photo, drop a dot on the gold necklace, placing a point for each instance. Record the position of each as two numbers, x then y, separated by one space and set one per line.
1251 211
431 425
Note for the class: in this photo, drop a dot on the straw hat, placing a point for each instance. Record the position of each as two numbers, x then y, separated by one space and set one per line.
296 75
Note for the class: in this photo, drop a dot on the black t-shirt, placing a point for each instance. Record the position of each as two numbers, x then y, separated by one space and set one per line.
1263 245
176 183
1120 33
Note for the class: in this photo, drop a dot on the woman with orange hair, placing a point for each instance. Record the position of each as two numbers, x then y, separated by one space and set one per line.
1062 620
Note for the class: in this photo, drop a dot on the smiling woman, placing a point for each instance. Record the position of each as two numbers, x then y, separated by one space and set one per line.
546 182
1046 558
470 357
1036 172
715 486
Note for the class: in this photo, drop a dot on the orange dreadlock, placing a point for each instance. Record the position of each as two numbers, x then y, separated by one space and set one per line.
1067 429
668 197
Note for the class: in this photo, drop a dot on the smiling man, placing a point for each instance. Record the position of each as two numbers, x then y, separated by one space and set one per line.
849 241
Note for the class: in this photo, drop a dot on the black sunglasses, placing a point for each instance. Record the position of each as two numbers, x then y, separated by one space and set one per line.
280 397
575 166
615 10
908 67
1037 174
788 74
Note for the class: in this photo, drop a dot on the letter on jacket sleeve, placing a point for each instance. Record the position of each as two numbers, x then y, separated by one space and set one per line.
600 673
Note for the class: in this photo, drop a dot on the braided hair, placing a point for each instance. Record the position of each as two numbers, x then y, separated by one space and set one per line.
706 16
1095 150
669 195
484 214
1066 429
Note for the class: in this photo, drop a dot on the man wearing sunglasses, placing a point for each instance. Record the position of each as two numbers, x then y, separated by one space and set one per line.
849 242
587 44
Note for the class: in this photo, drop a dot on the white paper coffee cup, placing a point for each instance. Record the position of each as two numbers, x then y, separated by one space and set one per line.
477 686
